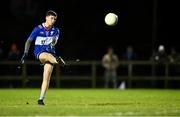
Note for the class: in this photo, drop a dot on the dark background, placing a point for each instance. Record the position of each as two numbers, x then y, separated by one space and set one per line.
144 24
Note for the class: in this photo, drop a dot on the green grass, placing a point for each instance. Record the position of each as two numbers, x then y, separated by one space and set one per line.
76 102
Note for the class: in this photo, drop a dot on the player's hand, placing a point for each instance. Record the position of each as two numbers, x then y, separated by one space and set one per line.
25 55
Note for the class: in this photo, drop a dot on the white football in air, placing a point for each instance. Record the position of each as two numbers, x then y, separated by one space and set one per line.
111 19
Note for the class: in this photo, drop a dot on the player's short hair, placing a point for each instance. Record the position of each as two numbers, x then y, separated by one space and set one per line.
51 12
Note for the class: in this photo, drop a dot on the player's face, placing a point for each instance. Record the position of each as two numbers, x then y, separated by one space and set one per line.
51 20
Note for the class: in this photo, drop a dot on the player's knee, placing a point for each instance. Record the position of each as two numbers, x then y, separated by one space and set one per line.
48 62
46 57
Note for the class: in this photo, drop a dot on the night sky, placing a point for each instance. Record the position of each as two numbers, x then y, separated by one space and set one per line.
84 35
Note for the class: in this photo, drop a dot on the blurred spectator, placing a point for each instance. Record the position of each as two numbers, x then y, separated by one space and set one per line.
174 56
129 54
160 56
14 53
110 62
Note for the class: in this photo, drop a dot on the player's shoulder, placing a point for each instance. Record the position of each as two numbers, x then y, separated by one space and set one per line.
55 28
38 27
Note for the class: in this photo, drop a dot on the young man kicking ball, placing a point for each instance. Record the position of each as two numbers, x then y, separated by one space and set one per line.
45 36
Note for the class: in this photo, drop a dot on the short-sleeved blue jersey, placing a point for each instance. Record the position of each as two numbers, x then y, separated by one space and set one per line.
45 40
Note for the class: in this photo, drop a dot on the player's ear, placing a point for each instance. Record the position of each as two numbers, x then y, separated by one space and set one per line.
46 18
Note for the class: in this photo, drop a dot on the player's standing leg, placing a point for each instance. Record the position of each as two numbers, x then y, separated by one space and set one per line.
48 69
46 59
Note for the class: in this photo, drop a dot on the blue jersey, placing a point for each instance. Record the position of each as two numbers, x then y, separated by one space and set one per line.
45 40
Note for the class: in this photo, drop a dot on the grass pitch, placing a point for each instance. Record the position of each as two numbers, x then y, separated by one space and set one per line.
90 102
